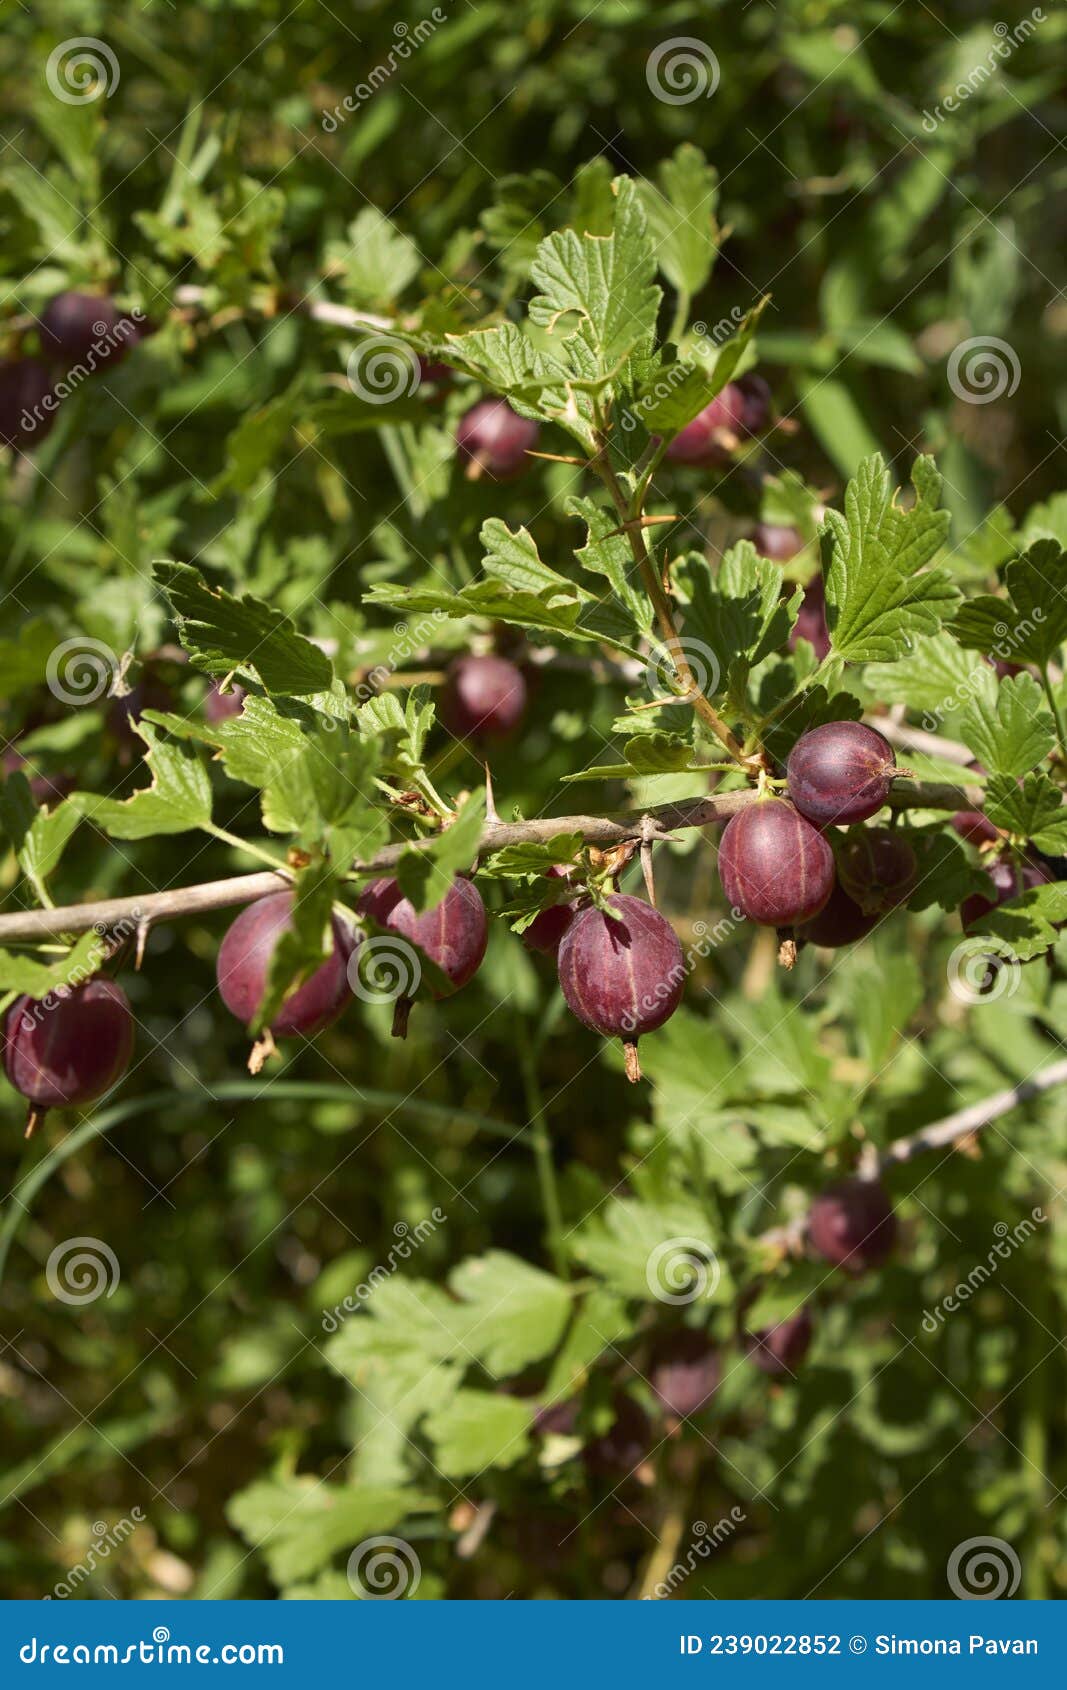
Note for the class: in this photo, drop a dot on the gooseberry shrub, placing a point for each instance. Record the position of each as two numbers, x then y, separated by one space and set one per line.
538 776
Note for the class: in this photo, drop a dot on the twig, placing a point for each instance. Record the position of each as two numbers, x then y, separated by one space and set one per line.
964 1122
657 823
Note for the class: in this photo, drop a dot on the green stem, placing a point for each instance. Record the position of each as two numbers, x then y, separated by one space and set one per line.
681 316
165 1103
1057 713
246 846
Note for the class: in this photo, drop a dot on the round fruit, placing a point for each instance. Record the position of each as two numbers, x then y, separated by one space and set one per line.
774 866
781 1348
775 541
976 828
755 413
78 327
622 972
67 1052
713 432
626 1442
839 922
877 868
484 698
453 935
685 1372
810 624
244 959
222 706
547 929
840 773
1011 878
28 404
494 439
853 1225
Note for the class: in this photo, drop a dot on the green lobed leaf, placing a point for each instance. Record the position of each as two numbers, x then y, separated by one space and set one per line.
177 800
1012 732
222 633
478 1429
1030 624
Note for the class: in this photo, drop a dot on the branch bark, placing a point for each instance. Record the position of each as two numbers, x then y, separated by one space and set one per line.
658 823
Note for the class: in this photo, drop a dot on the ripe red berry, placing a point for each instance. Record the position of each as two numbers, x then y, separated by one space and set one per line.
810 624
28 403
1012 878
222 706
774 866
547 929
453 935
755 414
839 922
782 1348
852 1225
484 698
840 773
976 828
494 439
244 959
68 1052
713 432
877 868
622 973
776 541
80 328
684 1372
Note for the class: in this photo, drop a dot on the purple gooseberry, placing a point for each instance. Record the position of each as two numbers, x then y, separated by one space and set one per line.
775 867
877 868
756 400
244 959
839 922
810 624
454 935
494 440
781 1348
621 971
713 432
1012 878
626 1442
840 772
548 927
222 706
28 403
77 328
974 827
484 698
684 1372
776 541
852 1224
68 1052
